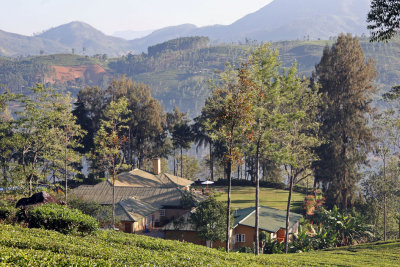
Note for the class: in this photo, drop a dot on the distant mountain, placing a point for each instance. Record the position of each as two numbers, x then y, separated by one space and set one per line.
75 36
130 35
279 20
86 40
293 19
12 44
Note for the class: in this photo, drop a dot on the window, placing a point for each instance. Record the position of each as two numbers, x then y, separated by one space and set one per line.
162 213
240 238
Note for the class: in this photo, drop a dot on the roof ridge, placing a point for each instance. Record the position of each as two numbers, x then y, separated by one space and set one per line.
254 209
119 203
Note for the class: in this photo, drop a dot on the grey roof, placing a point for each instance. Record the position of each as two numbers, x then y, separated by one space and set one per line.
133 210
137 183
102 193
138 193
271 220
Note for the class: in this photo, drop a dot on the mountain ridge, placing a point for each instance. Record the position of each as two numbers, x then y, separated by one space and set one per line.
277 21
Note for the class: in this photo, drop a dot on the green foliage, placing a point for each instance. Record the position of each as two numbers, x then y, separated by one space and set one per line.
179 44
22 247
384 17
43 137
272 246
145 123
348 228
347 83
61 219
190 166
209 219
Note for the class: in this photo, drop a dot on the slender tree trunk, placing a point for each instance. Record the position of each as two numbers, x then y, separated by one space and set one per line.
66 169
30 184
113 196
211 163
174 163
291 182
384 197
245 169
257 237
129 148
181 162
228 219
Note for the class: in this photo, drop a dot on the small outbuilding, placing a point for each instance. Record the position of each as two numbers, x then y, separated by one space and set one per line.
271 220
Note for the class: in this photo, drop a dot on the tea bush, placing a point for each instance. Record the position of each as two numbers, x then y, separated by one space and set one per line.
61 219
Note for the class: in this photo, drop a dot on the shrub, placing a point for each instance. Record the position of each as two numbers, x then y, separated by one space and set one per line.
103 214
90 208
272 246
7 214
61 219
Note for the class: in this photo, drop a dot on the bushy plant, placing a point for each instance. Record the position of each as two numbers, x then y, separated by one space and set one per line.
7 213
103 214
302 241
90 208
349 228
61 219
273 246
246 250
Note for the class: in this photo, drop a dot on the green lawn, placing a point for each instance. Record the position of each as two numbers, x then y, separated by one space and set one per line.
244 196
36 247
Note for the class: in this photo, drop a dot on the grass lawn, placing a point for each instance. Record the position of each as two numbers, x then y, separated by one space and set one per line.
244 196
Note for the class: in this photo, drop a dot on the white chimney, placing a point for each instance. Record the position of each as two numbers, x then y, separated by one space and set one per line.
157 166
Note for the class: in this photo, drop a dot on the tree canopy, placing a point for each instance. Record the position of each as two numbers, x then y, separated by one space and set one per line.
347 85
384 19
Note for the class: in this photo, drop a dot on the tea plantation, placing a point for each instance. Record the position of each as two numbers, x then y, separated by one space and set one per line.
33 247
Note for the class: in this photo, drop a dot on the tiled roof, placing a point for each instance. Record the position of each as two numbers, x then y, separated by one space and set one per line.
102 193
140 184
132 209
140 178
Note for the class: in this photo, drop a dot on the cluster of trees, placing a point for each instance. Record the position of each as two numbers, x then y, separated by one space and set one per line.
318 127
40 142
184 43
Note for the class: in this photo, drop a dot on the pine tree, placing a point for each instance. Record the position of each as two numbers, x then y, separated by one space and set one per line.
346 81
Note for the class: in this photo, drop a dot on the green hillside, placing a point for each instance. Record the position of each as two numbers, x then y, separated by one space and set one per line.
36 247
180 77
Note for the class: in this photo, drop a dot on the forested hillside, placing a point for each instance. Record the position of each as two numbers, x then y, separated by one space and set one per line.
178 70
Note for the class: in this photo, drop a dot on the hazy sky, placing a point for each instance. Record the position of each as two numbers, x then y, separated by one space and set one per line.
32 16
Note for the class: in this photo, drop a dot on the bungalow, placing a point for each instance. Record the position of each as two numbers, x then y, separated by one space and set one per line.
271 220
143 199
